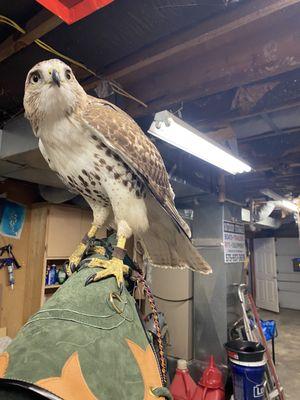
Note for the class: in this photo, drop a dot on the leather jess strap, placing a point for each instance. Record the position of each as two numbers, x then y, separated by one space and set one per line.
119 253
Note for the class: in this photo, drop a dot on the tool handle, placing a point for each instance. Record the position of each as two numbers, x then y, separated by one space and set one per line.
11 278
17 265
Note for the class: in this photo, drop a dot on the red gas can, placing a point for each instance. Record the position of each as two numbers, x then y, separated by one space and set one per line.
183 387
211 385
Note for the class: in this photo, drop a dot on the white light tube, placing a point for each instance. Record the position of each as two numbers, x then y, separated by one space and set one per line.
174 131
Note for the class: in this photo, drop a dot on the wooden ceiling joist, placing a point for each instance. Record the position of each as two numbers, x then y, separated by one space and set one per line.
183 66
206 32
187 65
36 27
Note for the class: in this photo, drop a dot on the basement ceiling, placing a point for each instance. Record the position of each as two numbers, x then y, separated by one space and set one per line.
219 62
98 41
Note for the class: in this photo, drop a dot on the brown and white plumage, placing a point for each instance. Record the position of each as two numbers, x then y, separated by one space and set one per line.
100 152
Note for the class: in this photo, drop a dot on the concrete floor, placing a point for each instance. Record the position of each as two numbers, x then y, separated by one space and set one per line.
287 347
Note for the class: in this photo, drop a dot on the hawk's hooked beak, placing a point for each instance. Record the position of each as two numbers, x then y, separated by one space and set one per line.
55 77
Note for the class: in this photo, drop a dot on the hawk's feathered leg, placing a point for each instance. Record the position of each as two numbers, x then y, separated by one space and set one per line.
100 216
113 267
77 255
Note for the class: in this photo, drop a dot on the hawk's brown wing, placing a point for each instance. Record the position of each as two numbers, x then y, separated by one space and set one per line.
121 134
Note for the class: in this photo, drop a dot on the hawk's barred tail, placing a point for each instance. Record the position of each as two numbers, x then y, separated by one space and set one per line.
167 246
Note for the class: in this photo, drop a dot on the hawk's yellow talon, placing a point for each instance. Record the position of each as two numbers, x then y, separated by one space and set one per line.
113 267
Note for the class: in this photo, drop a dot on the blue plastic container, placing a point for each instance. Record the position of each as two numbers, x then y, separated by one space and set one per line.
247 365
248 381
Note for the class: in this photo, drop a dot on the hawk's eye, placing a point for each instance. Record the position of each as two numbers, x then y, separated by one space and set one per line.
68 74
35 77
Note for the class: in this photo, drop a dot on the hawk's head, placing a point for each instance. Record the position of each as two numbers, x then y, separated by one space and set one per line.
51 90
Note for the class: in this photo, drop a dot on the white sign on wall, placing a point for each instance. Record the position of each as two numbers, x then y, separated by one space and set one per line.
234 242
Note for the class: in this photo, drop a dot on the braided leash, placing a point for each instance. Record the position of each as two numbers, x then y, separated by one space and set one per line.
151 300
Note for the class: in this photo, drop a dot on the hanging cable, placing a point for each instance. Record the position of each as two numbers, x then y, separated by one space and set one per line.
115 86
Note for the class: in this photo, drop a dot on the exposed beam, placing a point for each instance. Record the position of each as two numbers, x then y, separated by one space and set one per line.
206 32
282 132
219 109
249 55
36 27
235 48
222 134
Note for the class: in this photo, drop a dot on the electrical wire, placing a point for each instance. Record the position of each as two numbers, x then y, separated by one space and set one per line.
172 301
115 86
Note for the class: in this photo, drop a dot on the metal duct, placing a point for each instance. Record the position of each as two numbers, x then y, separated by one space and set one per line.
266 210
55 195
263 216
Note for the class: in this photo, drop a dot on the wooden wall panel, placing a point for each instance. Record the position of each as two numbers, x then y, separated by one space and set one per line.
12 304
63 234
62 225
35 266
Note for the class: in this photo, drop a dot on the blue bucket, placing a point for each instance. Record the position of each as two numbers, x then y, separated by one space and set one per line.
247 365
248 381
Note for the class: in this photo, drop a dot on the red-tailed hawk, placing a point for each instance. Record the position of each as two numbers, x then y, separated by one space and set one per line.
101 153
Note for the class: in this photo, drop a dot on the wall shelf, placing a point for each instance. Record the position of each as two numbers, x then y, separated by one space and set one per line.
55 231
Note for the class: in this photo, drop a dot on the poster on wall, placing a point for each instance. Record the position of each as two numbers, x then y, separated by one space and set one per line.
12 219
234 242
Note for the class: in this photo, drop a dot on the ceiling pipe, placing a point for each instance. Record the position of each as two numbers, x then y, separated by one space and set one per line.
263 218
265 211
55 195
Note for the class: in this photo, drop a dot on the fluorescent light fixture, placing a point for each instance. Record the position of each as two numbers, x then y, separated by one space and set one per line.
173 130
